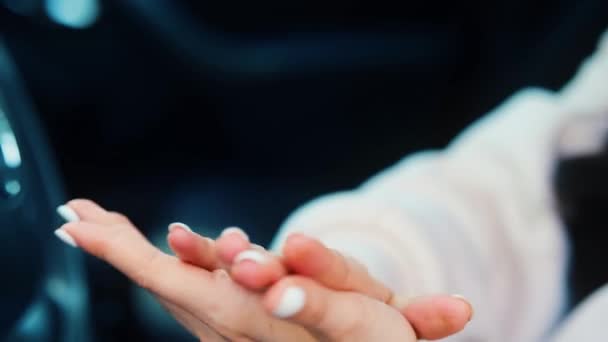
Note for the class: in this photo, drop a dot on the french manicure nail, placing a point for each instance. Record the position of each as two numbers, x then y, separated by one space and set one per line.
291 302
65 237
179 225
67 213
236 230
251 254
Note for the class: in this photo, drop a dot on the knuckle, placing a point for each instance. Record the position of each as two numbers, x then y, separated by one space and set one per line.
119 217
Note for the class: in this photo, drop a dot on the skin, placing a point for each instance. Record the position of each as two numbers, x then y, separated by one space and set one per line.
195 287
432 317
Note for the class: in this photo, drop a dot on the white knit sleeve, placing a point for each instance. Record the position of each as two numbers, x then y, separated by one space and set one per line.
478 218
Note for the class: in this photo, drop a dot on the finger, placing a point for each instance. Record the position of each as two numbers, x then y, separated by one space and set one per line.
87 210
254 268
336 315
212 296
231 242
436 317
309 257
191 247
257 269
432 317
125 248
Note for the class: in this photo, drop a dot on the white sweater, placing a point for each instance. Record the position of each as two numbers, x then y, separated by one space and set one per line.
478 218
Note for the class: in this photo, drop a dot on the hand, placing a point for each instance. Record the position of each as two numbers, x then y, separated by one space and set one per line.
213 307
432 317
209 304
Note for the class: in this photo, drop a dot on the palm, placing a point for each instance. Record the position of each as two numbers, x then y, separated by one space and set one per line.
213 306
225 310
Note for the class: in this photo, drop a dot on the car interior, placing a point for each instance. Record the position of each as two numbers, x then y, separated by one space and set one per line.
221 114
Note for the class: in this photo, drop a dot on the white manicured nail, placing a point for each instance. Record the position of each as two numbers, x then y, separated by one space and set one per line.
258 247
251 254
67 213
236 230
179 225
291 302
65 237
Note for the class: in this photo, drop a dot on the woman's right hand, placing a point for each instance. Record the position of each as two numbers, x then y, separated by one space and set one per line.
209 304
215 308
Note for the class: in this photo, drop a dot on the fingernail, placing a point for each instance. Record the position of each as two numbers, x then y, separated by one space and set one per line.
67 213
251 254
258 247
236 230
291 302
179 225
65 237
464 299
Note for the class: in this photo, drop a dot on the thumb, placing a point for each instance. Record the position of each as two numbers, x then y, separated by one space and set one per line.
436 317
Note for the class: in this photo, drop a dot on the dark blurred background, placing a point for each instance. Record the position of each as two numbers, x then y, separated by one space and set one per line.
228 113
